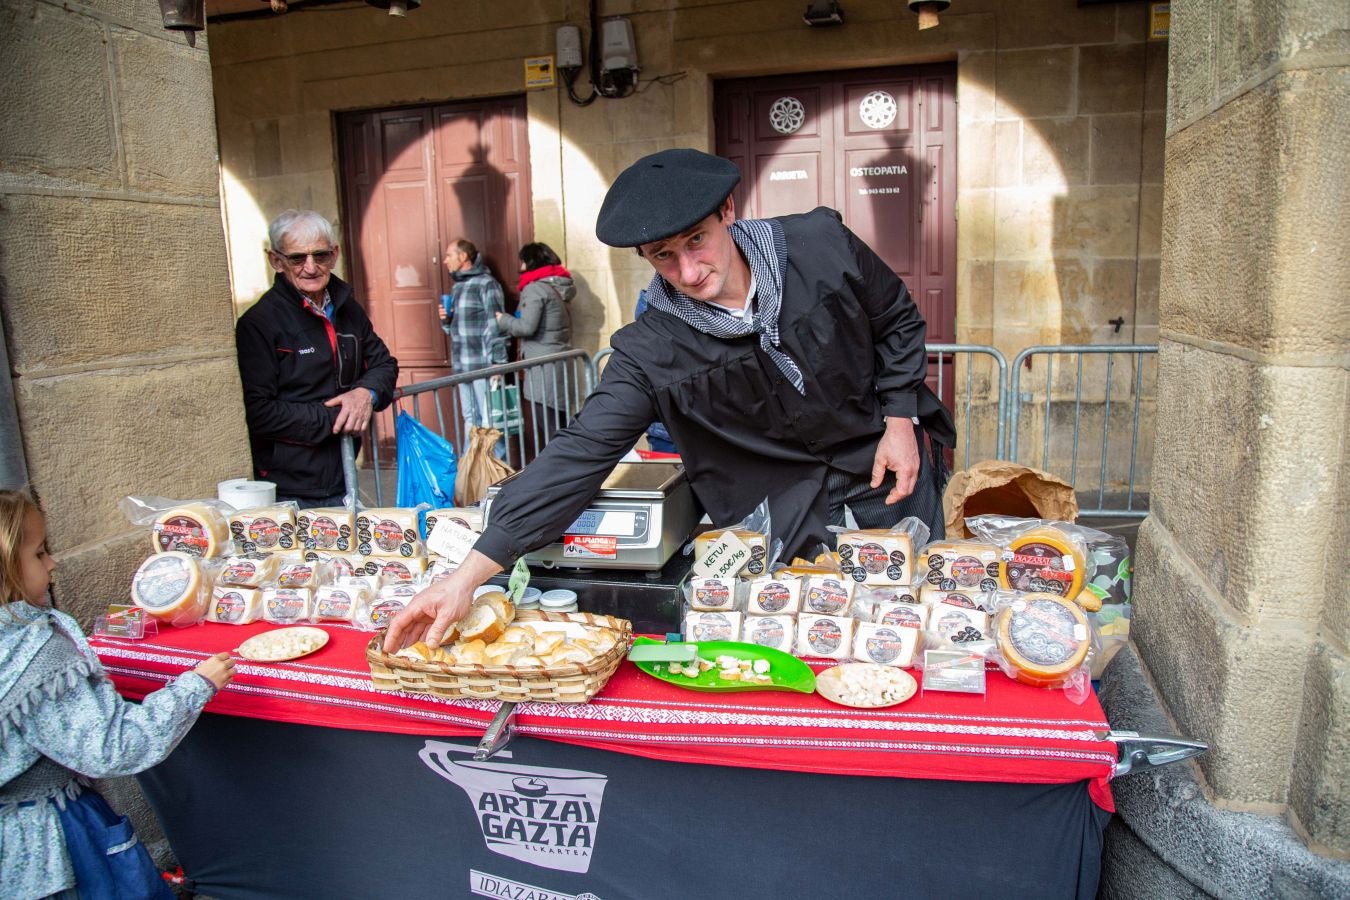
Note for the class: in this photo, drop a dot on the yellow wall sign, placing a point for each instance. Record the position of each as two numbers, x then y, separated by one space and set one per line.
1159 21
539 71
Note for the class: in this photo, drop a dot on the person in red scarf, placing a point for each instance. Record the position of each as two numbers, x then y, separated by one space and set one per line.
543 322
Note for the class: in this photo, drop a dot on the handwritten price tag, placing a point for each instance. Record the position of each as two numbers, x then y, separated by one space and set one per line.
451 540
724 558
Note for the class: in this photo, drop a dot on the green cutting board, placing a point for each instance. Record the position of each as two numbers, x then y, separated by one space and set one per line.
787 671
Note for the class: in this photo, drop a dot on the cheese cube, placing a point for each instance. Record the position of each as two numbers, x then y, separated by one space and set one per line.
877 555
830 637
194 528
778 632
887 645
770 596
266 529
388 531
235 605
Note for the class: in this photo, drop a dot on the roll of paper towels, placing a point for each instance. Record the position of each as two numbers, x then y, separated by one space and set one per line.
244 494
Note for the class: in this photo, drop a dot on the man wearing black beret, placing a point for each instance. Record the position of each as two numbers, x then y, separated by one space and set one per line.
784 356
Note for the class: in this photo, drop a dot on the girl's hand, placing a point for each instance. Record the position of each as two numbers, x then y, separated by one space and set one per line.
218 670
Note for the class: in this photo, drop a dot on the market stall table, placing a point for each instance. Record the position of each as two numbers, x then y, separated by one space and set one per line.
303 781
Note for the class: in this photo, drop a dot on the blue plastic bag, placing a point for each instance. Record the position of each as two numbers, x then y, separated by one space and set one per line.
426 465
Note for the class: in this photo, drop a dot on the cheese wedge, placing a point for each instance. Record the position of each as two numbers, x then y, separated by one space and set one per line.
908 615
248 571
712 626
339 602
712 594
286 606
830 637
778 632
467 516
770 596
828 595
327 528
887 645
876 556
266 529
389 531
960 564
756 541
235 605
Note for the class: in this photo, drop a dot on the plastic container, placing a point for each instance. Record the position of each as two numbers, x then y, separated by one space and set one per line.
529 599
558 601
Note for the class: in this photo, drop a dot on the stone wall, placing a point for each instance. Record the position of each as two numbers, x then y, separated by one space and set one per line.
1242 586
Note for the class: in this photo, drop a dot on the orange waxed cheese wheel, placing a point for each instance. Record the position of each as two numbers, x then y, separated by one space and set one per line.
194 528
1045 559
1044 638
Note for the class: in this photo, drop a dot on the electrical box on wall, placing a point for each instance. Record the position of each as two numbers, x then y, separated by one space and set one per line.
568 42
617 45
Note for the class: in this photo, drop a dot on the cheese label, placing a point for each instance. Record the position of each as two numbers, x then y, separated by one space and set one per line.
296 575
182 533
230 606
885 645
286 605
1039 568
1045 633
769 596
712 594
767 631
265 533
902 614
824 636
381 613
450 538
962 564
724 558
712 626
162 581
829 596
240 570
326 533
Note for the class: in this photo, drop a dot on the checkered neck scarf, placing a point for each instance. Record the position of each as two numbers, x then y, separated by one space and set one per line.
761 242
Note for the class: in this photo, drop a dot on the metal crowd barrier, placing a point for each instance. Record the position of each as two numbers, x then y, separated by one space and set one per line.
561 381
1068 398
985 400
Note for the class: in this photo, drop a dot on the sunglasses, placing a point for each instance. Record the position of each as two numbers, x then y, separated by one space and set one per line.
321 257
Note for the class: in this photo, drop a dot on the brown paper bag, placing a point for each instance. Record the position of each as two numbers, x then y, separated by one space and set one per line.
479 469
1008 489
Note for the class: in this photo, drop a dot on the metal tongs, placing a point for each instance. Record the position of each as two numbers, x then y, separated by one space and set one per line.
1149 751
499 732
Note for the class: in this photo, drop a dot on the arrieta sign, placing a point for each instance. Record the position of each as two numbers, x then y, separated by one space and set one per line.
545 817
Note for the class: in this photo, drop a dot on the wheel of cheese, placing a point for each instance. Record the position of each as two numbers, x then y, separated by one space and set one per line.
194 528
168 586
1044 560
1044 638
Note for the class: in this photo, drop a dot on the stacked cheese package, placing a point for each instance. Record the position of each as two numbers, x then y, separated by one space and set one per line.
469 518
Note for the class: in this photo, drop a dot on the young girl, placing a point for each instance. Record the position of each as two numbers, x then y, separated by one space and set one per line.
62 723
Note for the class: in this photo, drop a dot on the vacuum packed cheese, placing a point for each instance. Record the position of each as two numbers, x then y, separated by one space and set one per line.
1044 638
397 569
308 573
960 564
169 586
712 594
957 624
876 555
827 636
770 596
887 645
195 529
1044 560
286 606
468 516
756 541
327 528
388 531
248 571
909 615
377 612
828 594
712 626
232 605
266 529
339 602
970 598
778 632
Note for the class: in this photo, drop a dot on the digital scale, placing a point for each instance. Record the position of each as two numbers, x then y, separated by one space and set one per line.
641 517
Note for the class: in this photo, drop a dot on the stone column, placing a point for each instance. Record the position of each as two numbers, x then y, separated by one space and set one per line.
1243 601
114 287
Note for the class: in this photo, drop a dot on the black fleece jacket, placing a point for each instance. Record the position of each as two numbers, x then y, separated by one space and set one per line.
292 359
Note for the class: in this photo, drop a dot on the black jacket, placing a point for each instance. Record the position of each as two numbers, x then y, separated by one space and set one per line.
743 430
291 359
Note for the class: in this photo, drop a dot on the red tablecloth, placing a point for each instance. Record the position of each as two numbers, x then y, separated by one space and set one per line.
1013 733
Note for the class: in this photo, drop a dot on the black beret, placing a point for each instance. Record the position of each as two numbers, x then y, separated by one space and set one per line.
663 194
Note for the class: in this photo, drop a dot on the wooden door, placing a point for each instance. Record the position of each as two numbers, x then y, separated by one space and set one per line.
413 180
878 145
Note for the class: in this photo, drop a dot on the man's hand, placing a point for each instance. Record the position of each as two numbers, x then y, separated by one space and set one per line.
897 452
431 613
355 413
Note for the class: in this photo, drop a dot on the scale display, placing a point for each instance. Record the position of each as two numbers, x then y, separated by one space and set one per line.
612 522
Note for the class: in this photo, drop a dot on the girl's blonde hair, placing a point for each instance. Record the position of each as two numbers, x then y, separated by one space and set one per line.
14 507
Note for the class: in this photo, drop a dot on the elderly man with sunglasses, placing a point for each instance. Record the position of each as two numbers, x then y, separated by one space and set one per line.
312 367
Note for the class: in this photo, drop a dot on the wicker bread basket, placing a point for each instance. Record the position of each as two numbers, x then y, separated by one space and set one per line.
571 683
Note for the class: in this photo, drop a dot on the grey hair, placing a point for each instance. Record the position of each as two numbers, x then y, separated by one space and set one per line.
300 225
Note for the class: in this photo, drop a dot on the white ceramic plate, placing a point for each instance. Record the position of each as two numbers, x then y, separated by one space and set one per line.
830 684
283 644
